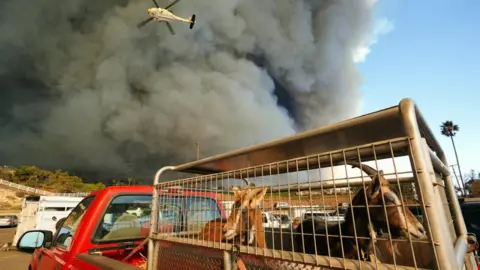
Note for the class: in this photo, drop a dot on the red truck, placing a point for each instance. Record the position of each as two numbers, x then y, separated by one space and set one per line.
111 222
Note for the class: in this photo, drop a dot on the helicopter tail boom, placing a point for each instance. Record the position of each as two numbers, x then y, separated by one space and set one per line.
192 21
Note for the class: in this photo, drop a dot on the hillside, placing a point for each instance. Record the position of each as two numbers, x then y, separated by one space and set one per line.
9 200
57 181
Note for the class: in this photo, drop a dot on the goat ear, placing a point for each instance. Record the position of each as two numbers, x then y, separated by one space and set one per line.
377 182
258 197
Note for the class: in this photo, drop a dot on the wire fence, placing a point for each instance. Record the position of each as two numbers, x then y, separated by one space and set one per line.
316 210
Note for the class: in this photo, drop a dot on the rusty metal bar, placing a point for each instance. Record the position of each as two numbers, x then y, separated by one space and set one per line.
309 259
341 184
227 260
444 251
327 184
345 134
438 164
399 145
460 248
409 110
152 259
408 105
441 224
441 164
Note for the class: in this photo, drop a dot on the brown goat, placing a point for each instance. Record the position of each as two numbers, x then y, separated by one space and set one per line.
245 220
378 193
424 256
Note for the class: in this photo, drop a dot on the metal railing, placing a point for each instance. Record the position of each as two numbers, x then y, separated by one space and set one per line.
415 223
36 191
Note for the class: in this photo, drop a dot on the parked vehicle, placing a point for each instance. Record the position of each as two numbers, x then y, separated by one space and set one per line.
274 221
285 220
8 221
108 222
328 217
43 212
280 205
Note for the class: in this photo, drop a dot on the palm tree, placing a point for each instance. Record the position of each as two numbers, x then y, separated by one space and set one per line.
450 130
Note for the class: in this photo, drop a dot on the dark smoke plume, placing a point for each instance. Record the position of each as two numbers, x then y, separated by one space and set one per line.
82 89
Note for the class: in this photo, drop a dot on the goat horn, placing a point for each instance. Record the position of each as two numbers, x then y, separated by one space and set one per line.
250 194
367 169
249 185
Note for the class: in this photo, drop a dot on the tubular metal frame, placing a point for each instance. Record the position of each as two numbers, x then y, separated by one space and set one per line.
403 120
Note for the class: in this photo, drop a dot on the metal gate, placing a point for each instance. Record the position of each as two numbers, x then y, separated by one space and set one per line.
372 192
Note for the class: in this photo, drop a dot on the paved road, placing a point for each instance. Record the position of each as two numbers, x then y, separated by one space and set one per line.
12 259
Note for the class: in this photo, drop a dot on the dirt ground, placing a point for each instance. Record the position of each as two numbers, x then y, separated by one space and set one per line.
12 259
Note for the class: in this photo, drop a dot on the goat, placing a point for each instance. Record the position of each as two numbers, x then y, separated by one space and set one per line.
244 217
6 246
378 193
404 254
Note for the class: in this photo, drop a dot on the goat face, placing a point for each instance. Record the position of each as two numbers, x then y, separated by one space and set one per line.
246 200
387 208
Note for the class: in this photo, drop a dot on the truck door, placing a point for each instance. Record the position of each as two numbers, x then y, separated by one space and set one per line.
58 254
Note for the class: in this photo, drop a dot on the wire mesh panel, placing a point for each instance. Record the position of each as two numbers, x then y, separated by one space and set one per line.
308 201
355 208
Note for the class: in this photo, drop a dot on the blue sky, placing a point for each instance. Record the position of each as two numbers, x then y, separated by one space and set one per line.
432 56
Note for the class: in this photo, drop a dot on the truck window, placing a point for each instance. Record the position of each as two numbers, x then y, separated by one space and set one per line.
124 218
284 219
54 209
201 210
170 216
70 224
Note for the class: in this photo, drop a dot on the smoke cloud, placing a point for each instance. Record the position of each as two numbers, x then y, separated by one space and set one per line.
82 89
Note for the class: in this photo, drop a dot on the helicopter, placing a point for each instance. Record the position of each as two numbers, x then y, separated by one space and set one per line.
164 15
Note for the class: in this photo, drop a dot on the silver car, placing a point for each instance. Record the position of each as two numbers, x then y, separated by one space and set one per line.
8 221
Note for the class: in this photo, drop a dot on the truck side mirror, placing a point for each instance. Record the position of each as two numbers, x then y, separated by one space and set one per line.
31 240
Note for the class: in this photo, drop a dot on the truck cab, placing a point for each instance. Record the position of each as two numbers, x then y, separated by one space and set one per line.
111 222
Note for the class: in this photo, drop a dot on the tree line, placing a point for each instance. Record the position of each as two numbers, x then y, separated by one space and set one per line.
468 181
57 181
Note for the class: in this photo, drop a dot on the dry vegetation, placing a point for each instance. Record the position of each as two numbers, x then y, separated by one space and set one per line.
10 200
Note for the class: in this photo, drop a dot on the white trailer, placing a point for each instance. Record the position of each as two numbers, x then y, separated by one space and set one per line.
43 212
227 207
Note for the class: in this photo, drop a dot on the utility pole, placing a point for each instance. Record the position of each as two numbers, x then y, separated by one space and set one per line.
462 190
198 153
198 150
458 164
